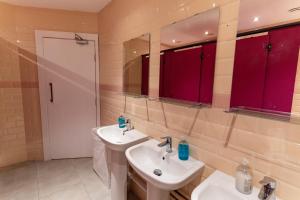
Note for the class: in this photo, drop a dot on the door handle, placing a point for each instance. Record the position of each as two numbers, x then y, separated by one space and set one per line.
51 92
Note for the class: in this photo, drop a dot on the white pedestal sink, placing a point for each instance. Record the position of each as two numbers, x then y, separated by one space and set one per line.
147 157
118 142
220 186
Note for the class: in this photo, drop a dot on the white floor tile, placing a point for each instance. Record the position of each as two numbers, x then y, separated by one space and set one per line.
72 179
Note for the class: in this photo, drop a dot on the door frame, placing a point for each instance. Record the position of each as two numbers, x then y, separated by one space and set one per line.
43 89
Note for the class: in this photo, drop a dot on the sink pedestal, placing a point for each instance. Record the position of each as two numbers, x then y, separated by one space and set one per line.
154 193
118 175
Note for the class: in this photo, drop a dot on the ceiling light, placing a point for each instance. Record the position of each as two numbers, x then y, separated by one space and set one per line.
206 33
134 52
174 41
213 5
18 41
256 19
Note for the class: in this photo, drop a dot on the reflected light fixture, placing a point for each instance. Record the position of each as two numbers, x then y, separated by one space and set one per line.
174 41
214 5
255 19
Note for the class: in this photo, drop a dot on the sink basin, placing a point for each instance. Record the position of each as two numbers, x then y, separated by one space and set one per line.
220 186
147 157
114 139
117 142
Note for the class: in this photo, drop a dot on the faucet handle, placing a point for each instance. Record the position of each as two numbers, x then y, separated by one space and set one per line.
268 181
168 138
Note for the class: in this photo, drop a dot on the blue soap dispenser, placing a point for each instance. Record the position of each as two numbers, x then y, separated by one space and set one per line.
183 149
122 121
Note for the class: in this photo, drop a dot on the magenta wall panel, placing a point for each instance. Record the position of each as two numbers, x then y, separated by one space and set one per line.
181 74
207 73
281 69
249 72
161 76
145 75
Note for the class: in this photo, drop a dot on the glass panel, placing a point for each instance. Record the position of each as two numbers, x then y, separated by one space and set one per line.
188 53
266 57
136 66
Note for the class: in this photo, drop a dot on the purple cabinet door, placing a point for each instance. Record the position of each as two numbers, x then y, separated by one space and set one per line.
249 72
207 73
281 70
181 74
162 76
145 75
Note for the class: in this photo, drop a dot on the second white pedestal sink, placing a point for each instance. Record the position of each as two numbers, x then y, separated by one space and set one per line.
220 186
118 142
163 172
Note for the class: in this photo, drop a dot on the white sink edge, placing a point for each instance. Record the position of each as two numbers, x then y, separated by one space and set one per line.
113 145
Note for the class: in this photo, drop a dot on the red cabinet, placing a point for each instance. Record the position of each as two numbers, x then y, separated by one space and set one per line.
181 72
249 72
281 69
145 75
188 74
207 73
265 70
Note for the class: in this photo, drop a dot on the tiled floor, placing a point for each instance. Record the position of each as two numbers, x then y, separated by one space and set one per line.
53 180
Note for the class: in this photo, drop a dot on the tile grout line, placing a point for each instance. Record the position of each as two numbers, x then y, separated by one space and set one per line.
38 179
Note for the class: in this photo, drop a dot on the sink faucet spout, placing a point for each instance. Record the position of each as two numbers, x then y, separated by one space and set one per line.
129 126
167 143
267 192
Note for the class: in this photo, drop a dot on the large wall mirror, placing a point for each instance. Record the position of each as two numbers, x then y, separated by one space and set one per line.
136 66
266 56
188 54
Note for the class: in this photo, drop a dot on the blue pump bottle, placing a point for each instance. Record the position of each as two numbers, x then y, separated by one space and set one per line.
122 121
183 150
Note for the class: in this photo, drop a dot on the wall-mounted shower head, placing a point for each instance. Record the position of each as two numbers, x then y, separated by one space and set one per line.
80 40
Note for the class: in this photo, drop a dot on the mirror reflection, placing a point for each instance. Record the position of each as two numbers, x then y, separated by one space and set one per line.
266 56
187 62
136 66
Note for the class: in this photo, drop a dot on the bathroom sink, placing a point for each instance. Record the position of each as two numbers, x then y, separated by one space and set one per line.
220 186
114 138
147 157
117 141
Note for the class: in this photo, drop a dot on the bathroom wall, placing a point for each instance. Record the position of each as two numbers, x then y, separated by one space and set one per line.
20 121
218 138
12 132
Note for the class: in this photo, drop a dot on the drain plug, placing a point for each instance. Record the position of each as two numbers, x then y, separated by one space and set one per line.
157 172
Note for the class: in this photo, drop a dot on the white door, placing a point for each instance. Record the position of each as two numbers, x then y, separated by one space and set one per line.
71 107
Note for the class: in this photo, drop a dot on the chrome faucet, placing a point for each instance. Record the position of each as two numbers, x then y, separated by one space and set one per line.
129 126
267 191
167 143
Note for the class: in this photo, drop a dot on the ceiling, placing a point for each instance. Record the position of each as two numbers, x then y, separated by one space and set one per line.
268 13
74 5
201 27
